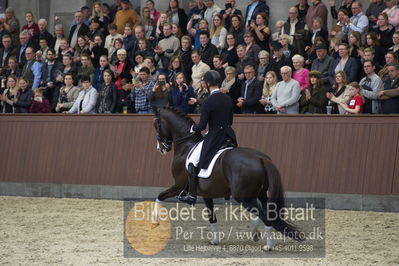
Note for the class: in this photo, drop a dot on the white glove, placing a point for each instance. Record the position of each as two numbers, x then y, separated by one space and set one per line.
191 129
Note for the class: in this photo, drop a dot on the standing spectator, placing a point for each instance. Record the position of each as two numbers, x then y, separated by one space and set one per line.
358 22
141 92
182 93
68 66
392 12
126 15
373 42
211 10
251 92
395 42
313 99
167 47
103 18
12 68
39 103
194 32
98 74
65 49
317 9
200 95
31 27
197 13
7 51
322 63
32 69
110 39
279 60
58 36
81 48
252 48
228 12
253 9
118 44
77 30
149 26
385 31
23 100
288 49
232 87
345 63
237 29
288 91
355 105
41 54
297 29
175 67
9 89
390 95
243 61
279 30
50 69
185 54
122 68
97 49
107 95
68 95
163 19
85 69
42 34
339 93
218 67
95 29
390 58
87 99
260 32
198 70
375 8
337 29
129 41
300 74
317 31
229 54
264 65
11 25
153 12
160 94
218 32
370 86
345 5
302 7
269 87
177 15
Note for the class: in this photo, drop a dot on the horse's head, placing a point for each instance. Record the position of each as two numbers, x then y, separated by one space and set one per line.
164 138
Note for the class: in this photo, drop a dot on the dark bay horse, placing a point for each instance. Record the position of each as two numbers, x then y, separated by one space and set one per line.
247 175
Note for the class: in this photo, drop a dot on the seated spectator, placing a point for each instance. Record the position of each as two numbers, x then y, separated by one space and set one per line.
177 15
346 5
260 32
111 38
144 49
138 63
129 41
252 48
207 50
395 42
198 70
58 36
370 85
181 94
229 54
163 19
9 91
375 8
358 22
175 67
237 29
31 27
264 65
39 103
64 50
184 53
118 44
141 91
87 99
279 28
11 24
355 105
279 59
288 91
322 63
97 49
392 12
149 26
200 95
313 99
68 95
317 31
41 54
218 32
166 47
122 68
50 69
355 43
339 93
385 31
218 66
23 100
390 58
288 49
7 51
254 9
389 96
299 34
107 95
345 63
232 87
12 69
154 14
94 29
269 87
243 61
42 34
300 74
68 66
211 10
160 96
85 69
32 69
334 47
98 79
368 55
80 29
98 11
150 63
251 92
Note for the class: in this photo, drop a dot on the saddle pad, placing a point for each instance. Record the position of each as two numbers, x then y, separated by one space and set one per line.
194 157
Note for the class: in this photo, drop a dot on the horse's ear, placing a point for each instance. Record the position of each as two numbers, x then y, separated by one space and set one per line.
155 109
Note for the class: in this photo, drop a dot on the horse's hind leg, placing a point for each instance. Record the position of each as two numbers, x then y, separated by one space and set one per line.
252 205
213 221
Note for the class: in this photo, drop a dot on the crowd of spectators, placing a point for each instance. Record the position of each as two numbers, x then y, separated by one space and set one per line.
113 60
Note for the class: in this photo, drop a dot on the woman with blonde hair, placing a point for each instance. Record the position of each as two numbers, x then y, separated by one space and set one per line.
340 93
269 87
98 12
10 90
218 32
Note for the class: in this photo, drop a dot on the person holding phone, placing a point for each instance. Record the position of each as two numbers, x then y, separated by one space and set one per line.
182 93
228 12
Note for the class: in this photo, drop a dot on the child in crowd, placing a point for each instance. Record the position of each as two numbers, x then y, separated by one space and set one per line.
356 103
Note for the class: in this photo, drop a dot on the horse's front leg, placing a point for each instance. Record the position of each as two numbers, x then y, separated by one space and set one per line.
213 222
169 193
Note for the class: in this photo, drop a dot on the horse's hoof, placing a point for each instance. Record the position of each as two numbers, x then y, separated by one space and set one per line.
256 236
214 242
267 248
154 225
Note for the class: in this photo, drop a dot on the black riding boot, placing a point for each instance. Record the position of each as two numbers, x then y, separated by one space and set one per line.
191 197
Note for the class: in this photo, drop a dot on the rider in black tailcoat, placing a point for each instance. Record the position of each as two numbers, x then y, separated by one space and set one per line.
217 112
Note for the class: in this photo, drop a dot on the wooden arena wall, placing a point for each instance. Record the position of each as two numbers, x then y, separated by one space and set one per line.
314 153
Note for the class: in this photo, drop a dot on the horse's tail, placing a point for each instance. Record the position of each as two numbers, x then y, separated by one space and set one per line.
276 202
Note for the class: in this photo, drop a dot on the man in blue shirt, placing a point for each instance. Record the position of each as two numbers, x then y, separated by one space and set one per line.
253 9
32 69
141 91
